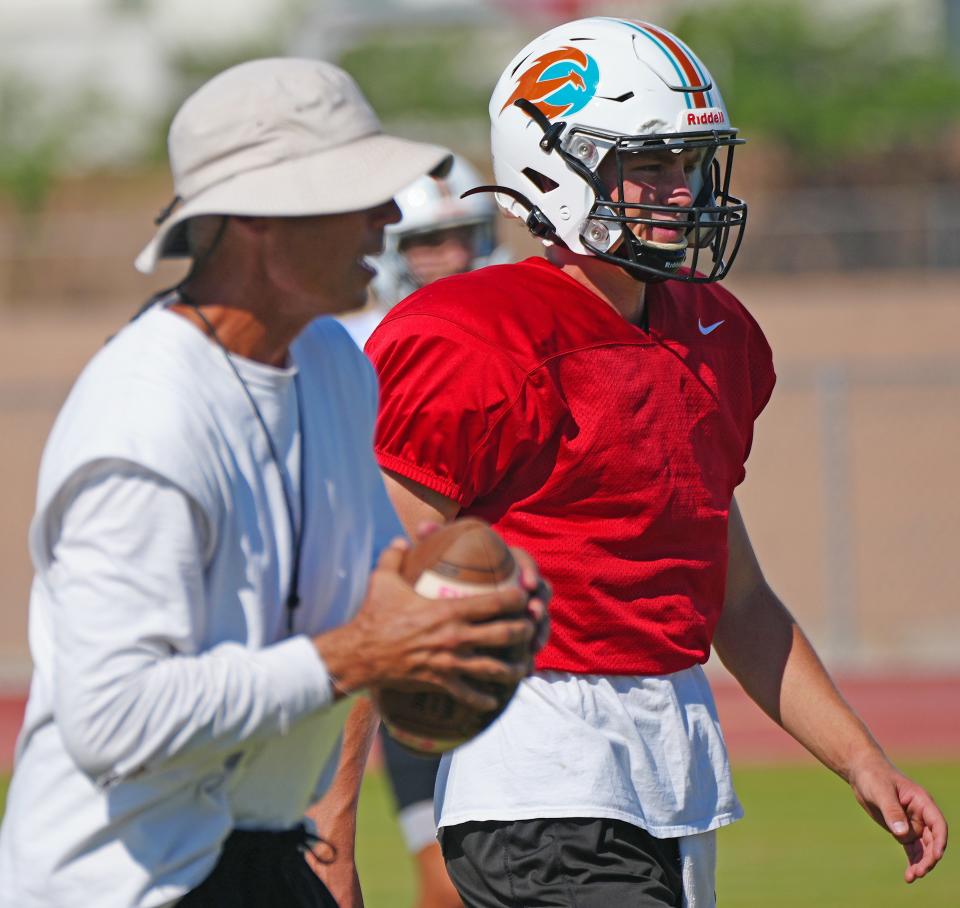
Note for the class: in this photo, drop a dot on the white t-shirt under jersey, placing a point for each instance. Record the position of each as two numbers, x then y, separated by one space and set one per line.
168 704
647 750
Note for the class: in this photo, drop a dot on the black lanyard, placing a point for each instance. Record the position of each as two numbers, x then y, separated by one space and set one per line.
296 527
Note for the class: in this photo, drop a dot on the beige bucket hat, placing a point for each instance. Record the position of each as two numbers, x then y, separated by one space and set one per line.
281 137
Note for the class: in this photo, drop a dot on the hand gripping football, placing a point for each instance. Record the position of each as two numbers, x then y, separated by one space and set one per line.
463 558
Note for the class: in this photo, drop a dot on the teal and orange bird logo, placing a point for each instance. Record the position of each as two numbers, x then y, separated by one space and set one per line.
558 83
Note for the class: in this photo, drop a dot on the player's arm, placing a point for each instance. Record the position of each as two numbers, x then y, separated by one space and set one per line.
765 649
416 504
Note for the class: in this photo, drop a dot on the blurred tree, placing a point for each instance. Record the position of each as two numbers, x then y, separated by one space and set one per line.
131 7
35 147
190 67
830 91
424 73
30 151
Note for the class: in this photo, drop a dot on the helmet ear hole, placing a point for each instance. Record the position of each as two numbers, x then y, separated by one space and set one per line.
540 180
442 170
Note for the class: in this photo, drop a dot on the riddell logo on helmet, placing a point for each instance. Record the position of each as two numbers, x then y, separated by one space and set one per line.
710 117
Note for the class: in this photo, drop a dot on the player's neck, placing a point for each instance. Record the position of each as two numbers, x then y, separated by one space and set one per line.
610 282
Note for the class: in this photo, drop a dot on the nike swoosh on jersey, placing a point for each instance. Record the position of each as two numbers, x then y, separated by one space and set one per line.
705 330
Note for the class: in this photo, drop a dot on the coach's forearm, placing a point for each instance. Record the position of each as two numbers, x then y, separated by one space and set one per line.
765 649
133 686
128 718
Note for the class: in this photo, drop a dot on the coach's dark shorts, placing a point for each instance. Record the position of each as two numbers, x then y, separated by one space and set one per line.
262 870
563 863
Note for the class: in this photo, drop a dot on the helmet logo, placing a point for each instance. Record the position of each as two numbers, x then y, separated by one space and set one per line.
558 83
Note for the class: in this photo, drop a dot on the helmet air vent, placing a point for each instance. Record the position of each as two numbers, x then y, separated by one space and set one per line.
513 72
540 180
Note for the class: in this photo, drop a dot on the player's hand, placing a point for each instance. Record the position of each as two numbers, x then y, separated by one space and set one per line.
905 810
540 593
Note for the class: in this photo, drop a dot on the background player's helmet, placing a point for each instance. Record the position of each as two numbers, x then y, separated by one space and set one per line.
604 86
429 205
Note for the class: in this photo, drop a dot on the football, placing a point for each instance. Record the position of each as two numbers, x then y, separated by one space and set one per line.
463 558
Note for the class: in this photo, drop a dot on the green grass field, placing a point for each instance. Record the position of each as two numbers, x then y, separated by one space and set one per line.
804 843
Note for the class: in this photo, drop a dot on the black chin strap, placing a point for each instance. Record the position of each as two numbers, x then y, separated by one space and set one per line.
196 267
630 254
536 221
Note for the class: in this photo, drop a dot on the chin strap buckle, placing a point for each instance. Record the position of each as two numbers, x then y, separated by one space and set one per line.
539 224
551 136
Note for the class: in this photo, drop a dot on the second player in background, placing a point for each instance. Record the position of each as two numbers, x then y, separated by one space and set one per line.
439 235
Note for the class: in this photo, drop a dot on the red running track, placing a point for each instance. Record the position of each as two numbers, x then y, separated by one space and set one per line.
914 718
11 718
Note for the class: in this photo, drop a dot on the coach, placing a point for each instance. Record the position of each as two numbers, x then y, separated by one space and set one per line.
208 514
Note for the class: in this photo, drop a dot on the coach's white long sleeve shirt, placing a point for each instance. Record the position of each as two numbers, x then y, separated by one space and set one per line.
169 705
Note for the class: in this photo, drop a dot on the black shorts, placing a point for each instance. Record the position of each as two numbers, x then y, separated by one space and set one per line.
262 870
562 863
412 777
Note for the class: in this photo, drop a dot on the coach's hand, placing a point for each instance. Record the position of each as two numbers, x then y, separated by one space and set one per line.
538 590
905 810
332 858
398 636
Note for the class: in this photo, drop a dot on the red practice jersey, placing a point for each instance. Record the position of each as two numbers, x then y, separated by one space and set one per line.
608 452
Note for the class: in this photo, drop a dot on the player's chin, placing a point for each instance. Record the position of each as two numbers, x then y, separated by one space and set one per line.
424 276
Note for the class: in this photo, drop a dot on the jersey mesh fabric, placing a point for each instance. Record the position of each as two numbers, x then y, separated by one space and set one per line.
609 452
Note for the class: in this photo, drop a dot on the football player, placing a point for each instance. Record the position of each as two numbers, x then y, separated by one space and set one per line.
597 406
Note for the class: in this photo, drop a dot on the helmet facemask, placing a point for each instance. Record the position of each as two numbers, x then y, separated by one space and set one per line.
714 221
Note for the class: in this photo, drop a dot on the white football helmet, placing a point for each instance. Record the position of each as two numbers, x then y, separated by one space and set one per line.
604 86
429 205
